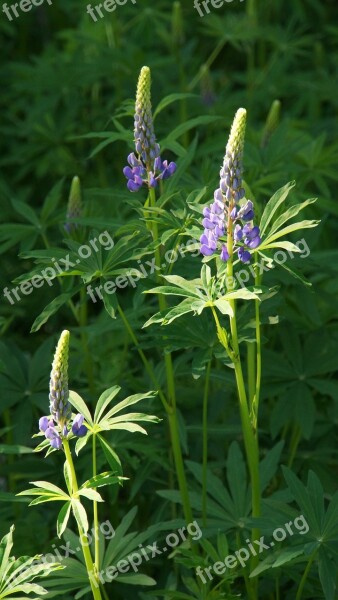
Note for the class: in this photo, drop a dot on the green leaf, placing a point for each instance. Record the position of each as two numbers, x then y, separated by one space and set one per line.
53 307
272 206
186 126
328 576
26 211
80 515
290 213
6 546
15 449
107 478
46 485
111 456
91 495
81 442
80 405
63 518
136 579
296 274
224 307
134 399
68 476
167 100
52 200
46 498
289 229
305 501
104 400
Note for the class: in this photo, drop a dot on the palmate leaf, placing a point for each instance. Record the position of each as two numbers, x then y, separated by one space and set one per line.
16 575
275 231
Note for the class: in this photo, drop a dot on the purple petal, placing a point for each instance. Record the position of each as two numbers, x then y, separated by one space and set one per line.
43 423
205 250
127 172
133 186
244 255
225 254
56 443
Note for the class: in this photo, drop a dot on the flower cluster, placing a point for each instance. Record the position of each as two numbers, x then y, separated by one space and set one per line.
56 426
147 167
226 217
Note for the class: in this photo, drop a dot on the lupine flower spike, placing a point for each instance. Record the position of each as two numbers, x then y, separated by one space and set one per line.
146 166
74 208
272 122
56 426
226 218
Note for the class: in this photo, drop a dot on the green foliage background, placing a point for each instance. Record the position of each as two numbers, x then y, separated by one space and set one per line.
67 99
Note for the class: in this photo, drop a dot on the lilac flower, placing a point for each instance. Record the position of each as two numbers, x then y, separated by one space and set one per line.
78 428
147 167
226 218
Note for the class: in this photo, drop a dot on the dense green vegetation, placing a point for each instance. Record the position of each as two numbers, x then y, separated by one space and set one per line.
237 392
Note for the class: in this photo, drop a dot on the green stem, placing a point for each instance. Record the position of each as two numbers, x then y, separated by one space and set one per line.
207 64
305 574
83 318
205 443
143 357
179 466
95 511
172 414
105 595
85 549
248 427
256 398
251 358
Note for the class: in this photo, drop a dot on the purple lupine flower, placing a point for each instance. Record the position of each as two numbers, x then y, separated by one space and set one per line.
78 428
226 216
60 408
146 168
74 208
56 425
